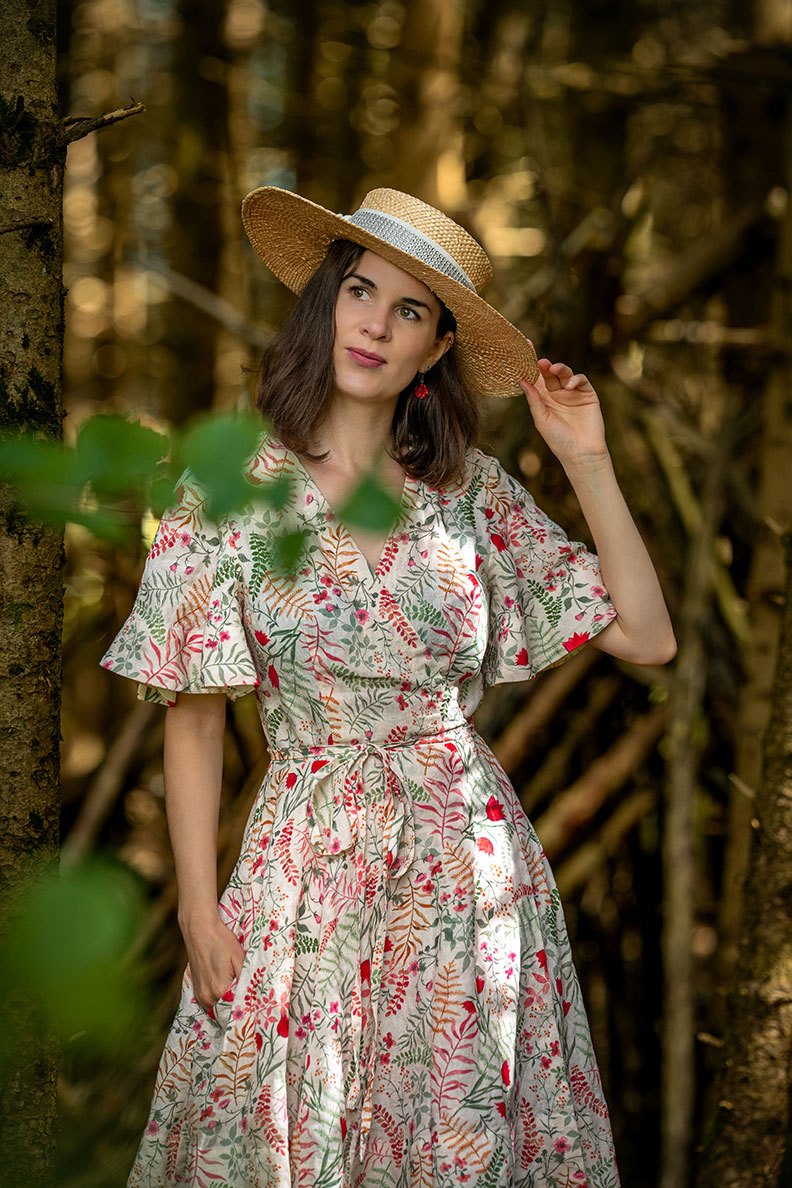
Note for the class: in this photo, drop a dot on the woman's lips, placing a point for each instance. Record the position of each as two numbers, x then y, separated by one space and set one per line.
365 360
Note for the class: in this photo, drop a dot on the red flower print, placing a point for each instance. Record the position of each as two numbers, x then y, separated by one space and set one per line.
318 763
478 561
566 1005
283 1025
485 845
489 513
273 676
261 637
505 1074
561 1145
521 658
541 957
495 809
343 1129
291 779
498 541
469 1006
501 1108
365 970
388 944
479 983
574 641
259 1041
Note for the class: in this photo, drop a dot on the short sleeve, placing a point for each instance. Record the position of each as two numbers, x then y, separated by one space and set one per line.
185 632
546 595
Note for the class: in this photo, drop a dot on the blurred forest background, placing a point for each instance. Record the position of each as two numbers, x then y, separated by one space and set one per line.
626 165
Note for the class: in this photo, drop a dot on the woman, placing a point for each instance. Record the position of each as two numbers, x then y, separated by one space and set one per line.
384 994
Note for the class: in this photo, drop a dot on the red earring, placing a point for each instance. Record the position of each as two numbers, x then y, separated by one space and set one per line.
420 391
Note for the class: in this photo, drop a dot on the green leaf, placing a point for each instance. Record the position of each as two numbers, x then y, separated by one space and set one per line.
371 506
216 449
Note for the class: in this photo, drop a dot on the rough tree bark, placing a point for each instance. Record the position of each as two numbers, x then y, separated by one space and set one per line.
32 156
747 1136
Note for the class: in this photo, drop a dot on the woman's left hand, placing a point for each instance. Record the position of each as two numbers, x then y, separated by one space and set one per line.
566 411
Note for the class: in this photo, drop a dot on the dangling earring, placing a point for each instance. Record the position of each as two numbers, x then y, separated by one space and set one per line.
420 391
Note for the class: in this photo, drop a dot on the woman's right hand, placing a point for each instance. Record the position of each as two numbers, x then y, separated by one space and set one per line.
215 957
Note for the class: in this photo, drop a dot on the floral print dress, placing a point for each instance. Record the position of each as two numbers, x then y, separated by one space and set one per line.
408 1015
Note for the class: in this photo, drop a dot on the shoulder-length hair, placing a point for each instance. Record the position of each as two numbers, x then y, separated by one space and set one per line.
295 383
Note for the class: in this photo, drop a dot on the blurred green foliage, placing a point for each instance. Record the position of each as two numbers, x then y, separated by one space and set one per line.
118 468
64 958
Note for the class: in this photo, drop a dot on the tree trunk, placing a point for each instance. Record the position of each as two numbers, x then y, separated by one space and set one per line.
747 1135
31 175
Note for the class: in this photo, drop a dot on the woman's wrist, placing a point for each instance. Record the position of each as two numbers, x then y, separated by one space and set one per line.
198 916
587 467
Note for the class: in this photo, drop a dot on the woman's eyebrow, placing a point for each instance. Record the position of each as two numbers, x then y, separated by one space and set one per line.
372 285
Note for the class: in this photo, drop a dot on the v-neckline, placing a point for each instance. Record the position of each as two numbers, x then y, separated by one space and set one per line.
310 481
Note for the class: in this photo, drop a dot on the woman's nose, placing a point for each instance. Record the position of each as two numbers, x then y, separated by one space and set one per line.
376 323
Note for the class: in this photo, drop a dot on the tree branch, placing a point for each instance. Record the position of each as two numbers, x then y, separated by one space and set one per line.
75 127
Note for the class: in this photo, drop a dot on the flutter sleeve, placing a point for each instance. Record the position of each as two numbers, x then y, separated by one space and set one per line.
185 632
546 595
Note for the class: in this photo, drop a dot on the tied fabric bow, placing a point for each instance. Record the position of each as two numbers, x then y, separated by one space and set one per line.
357 801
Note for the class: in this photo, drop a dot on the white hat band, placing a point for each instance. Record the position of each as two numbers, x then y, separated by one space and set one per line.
408 239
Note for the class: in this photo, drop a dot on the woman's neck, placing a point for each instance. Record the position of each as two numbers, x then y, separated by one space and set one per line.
356 436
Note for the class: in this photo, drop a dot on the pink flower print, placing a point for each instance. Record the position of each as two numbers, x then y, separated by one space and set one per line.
485 845
237 1012
411 563
424 553
211 643
546 1062
574 641
329 607
320 595
153 1127
362 616
243 1124
413 967
580 615
234 538
509 602
598 591
210 1125
555 1048
562 1145
224 635
333 1008
327 581
335 846
216 602
184 538
309 499
173 567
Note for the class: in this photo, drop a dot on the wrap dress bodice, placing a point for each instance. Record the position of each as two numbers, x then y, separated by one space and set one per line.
407 1013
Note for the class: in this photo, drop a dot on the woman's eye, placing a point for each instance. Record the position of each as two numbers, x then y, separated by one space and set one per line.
356 290
408 314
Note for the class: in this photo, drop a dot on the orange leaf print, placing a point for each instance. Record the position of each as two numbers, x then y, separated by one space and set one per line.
235 1062
474 1147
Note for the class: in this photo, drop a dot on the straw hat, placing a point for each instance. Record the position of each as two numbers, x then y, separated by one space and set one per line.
292 235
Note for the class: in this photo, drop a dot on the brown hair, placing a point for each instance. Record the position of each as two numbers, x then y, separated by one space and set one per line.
295 383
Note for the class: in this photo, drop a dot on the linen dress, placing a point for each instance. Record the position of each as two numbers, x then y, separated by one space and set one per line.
408 1015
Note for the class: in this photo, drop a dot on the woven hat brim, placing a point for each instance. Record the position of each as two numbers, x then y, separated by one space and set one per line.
291 234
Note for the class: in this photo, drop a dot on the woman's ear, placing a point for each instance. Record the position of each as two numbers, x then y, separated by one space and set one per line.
442 345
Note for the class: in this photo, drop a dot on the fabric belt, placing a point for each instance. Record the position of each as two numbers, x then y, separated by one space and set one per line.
338 825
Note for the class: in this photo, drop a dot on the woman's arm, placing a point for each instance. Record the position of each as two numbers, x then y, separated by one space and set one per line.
193 763
566 411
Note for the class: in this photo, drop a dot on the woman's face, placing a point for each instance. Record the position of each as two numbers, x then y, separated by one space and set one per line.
385 330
